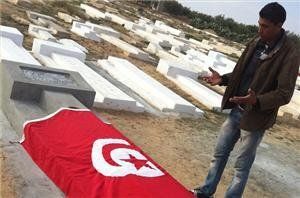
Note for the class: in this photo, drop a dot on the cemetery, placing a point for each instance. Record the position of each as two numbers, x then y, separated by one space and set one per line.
134 76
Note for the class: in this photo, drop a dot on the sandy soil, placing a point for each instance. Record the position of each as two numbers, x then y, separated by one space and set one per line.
183 146
7 188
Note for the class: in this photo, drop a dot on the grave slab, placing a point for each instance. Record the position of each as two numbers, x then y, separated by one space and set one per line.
186 80
133 26
100 29
92 12
13 34
66 18
169 29
85 31
129 49
27 83
55 27
36 16
41 32
116 19
151 90
172 69
153 38
107 95
71 43
11 49
46 48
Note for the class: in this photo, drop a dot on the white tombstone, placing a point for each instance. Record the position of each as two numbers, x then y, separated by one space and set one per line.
187 81
57 29
100 29
11 49
69 42
93 12
153 38
71 58
85 31
203 44
36 16
174 42
151 90
41 32
116 19
65 17
298 82
173 69
13 34
170 29
154 30
129 49
133 26
296 97
46 48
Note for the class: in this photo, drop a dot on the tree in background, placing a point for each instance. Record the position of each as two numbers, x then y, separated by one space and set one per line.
225 27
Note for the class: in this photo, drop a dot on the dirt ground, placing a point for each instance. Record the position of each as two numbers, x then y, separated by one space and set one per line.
183 146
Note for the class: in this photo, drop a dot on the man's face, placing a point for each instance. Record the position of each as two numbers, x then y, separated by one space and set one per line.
267 30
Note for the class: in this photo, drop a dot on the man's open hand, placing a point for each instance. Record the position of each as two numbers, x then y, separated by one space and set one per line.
213 79
248 99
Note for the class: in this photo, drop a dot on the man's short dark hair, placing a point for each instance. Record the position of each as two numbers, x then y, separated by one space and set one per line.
274 12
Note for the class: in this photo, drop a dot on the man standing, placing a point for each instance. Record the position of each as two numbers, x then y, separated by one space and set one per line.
262 81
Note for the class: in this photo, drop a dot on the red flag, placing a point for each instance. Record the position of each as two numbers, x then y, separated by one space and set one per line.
86 157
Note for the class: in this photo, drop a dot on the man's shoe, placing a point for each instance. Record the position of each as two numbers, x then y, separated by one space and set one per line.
199 194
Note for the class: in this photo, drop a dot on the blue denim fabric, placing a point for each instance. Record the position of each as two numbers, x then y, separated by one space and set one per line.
230 133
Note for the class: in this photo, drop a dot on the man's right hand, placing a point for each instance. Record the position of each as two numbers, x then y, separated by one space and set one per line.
213 79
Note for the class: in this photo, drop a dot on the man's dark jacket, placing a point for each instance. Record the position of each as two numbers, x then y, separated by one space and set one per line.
273 83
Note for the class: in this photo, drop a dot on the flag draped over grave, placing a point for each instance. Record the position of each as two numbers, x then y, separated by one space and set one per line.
86 157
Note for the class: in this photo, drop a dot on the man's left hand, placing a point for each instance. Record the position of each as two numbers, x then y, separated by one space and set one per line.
248 99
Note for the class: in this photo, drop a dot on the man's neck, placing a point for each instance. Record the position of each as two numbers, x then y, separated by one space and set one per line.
275 39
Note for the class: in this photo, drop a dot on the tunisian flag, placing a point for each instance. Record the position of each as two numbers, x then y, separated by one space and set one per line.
86 157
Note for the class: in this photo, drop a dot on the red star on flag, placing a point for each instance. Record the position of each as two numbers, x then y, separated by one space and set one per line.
138 163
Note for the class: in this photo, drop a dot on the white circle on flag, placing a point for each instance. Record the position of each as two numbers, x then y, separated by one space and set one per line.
129 161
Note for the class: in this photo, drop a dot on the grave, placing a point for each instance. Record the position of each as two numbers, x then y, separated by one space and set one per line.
85 30
12 34
133 26
100 29
92 12
48 22
71 43
66 18
55 27
35 16
11 41
127 48
70 58
169 29
27 83
28 92
41 32
202 45
116 18
153 38
151 90
187 81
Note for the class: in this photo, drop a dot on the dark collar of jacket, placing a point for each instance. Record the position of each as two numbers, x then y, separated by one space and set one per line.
265 56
